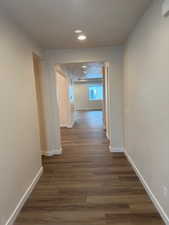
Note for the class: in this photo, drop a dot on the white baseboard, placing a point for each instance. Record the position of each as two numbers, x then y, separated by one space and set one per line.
116 150
25 196
68 125
52 152
63 125
107 136
71 125
148 190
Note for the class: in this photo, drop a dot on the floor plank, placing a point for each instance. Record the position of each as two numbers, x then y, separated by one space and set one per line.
88 185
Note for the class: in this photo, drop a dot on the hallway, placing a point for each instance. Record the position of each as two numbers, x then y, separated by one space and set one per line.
88 185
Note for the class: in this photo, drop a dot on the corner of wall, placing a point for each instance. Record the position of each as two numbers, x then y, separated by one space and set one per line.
52 152
148 189
116 150
23 199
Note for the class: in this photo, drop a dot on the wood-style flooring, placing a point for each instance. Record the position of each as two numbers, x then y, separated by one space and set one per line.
88 185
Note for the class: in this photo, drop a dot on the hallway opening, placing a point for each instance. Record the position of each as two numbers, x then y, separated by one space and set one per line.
82 90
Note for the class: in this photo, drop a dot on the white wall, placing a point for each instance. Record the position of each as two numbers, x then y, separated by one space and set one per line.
113 55
20 156
51 115
62 98
147 101
82 101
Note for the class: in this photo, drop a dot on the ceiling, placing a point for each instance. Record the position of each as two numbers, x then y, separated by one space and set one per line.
77 72
52 22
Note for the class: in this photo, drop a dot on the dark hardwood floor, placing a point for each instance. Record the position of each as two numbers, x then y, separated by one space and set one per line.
88 185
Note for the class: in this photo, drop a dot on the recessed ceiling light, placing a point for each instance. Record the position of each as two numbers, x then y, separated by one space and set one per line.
82 37
78 31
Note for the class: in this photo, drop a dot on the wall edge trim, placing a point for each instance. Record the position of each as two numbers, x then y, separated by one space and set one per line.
52 152
24 197
116 150
71 125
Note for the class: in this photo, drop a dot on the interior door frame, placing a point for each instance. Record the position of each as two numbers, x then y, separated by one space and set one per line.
37 66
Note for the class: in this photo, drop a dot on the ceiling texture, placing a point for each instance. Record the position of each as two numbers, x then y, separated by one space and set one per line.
81 71
52 22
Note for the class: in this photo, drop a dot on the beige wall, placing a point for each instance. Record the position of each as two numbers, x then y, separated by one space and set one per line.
20 157
40 103
82 101
147 101
51 115
62 97
64 104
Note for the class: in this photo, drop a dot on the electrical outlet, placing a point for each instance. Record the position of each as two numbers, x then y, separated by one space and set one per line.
165 191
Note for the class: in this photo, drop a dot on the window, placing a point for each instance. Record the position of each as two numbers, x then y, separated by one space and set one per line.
95 92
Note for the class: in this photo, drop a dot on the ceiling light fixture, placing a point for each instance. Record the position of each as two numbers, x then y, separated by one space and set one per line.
82 37
78 31
84 67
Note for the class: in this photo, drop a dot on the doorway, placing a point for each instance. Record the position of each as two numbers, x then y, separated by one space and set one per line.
81 94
